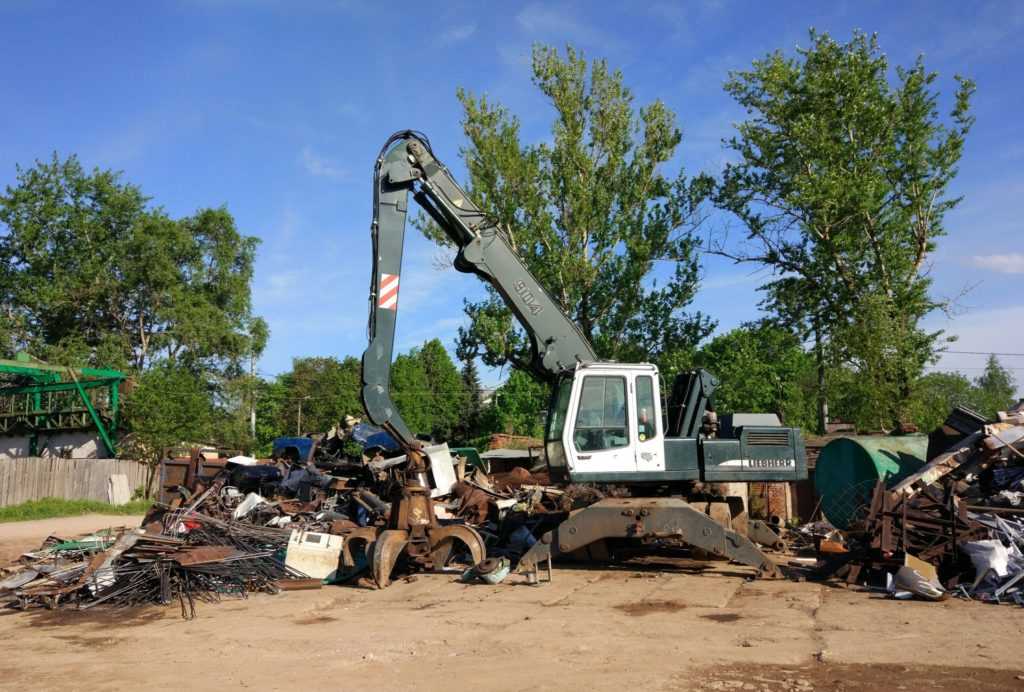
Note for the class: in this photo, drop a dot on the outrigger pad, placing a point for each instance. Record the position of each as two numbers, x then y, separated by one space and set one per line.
662 517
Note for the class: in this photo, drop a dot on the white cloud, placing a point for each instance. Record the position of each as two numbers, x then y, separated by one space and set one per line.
991 32
457 33
321 167
1005 263
288 287
684 20
283 280
513 55
135 135
126 145
543 20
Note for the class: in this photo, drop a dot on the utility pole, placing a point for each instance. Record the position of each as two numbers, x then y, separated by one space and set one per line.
252 396
298 422
822 396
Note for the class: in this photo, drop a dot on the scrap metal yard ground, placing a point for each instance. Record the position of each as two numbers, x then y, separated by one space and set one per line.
639 627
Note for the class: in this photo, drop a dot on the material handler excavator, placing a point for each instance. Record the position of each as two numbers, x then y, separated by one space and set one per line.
605 423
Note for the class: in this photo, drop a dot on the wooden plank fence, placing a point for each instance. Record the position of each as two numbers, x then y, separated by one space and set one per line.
33 478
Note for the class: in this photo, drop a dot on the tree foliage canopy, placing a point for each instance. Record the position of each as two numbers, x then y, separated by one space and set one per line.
470 420
167 407
327 390
841 182
517 407
937 393
592 213
762 369
92 274
446 390
996 388
426 387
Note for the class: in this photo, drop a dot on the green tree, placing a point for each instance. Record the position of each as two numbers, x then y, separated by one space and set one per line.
425 385
271 398
410 390
93 274
327 389
938 393
517 407
447 395
168 406
841 182
762 369
592 213
996 388
469 427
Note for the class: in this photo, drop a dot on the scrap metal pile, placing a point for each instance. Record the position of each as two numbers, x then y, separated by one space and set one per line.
208 539
954 527
184 558
205 541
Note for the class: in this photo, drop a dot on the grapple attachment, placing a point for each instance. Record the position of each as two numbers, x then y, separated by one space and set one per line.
413 532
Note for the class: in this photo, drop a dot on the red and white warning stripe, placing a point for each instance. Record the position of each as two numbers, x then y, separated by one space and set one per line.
388 292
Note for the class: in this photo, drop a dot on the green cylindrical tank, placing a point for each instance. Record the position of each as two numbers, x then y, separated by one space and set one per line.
849 467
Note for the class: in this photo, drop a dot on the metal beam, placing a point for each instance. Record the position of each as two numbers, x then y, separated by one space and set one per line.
59 386
100 427
53 372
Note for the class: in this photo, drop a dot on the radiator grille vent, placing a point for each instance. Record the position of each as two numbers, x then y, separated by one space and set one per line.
763 438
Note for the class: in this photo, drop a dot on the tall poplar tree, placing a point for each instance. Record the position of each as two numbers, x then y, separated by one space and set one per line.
841 181
601 213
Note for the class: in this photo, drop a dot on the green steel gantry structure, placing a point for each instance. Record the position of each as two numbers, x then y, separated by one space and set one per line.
54 398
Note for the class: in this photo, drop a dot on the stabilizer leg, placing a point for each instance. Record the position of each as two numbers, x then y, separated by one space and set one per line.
646 518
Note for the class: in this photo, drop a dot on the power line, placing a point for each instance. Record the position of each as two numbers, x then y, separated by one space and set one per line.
1021 369
981 353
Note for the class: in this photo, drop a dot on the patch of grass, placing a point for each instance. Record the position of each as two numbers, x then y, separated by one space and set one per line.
50 507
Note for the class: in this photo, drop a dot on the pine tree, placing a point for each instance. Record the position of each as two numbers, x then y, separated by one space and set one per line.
444 390
474 401
995 388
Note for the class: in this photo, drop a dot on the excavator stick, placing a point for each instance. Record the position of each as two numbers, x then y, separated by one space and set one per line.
645 518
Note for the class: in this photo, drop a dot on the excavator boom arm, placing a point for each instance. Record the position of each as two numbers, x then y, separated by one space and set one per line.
407 165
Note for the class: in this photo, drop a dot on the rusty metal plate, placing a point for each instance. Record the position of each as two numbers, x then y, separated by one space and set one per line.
202 555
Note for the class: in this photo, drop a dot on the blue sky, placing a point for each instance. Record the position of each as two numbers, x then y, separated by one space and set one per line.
276 109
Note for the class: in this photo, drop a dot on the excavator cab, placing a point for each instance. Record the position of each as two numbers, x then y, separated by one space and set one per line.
606 425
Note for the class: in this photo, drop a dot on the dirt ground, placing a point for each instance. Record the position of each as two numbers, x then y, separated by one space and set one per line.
645 627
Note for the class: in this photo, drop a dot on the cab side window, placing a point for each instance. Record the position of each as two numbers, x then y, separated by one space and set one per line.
601 419
645 419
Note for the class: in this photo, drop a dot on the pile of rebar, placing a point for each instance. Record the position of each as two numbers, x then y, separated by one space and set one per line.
194 558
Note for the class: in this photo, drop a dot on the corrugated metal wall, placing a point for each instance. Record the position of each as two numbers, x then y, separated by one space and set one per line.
33 478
